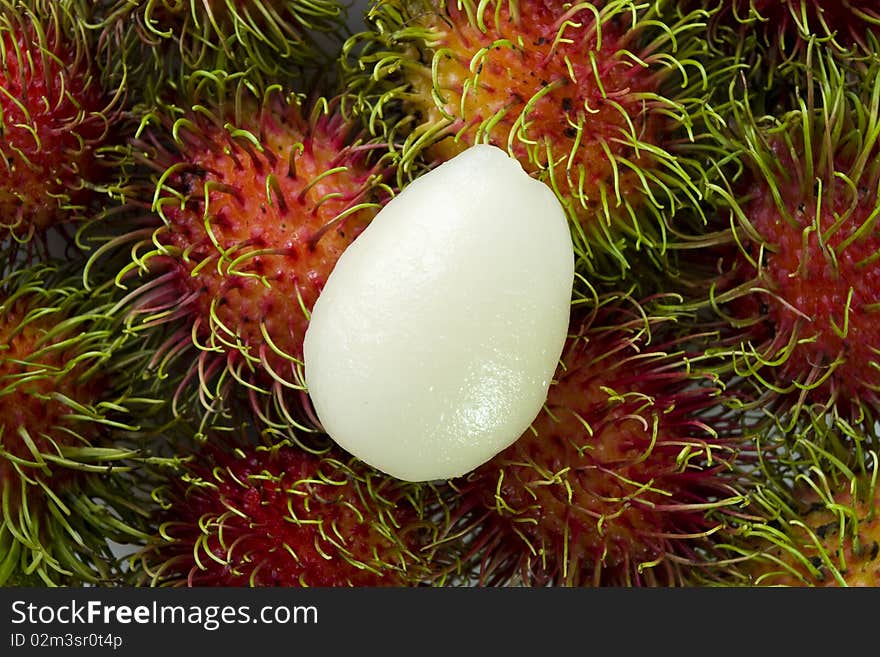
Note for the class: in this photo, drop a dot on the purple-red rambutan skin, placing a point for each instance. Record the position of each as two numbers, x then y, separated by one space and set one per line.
295 229
613 482
286 517
846 21
254 219
831 306
802 292
55 116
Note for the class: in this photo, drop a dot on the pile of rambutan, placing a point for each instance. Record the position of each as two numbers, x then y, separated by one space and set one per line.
181 178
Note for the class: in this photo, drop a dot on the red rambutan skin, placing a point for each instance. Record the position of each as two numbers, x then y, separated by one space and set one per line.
611 484
285 517
604 102
31 399
847 18
769 35
524 82
253 227
54 117
817 289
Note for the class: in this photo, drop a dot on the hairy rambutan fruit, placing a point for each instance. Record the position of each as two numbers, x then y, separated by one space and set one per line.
148 41
801 291
603 101
787 25
770 40
54 118
246 515
69 432
623 477
251 206
814 518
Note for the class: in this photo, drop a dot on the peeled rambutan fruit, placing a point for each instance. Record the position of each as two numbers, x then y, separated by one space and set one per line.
800 293
247 515
248 212
603 101
623 477
70 428
54 118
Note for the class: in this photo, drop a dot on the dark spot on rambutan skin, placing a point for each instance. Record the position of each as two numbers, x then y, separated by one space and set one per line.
874 551
823 530
191 179
567 104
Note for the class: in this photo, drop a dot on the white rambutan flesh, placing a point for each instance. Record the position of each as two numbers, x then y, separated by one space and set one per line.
432 346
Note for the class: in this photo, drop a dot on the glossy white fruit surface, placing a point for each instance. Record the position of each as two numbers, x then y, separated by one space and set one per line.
433 344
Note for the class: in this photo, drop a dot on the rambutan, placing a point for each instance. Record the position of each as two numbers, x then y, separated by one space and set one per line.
149 42
251 206
248 515
623 477
769 41
54 117
814 518
69 430
787 25
800 292
602 101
